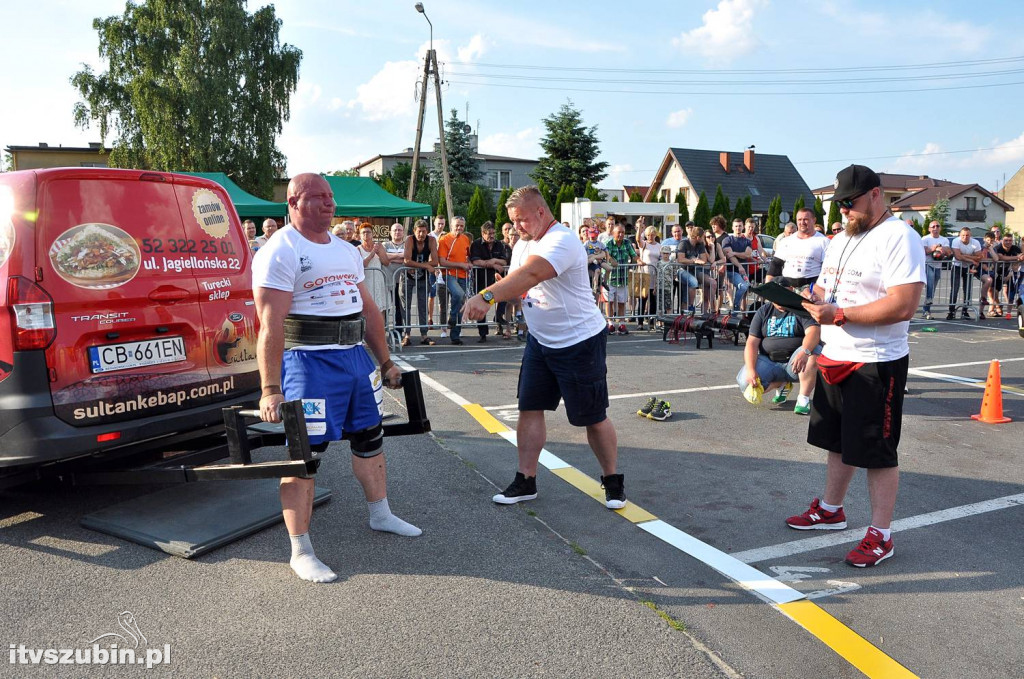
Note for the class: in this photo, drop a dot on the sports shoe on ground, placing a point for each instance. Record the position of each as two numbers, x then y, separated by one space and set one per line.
456 341
483 338
950 316
622 329
406 341
611 328
427 341
444 333
817 518
981 315
871 551
614 492
965 315
802 410
519 490
661 411
782 393
928 316
648 407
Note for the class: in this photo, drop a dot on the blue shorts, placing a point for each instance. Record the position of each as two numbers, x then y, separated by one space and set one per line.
340 390
577 374
770 372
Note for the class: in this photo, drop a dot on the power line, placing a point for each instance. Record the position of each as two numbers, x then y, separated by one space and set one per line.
760 83
844 69
737 94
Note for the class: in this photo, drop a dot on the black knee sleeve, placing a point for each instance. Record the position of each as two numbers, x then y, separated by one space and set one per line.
368 442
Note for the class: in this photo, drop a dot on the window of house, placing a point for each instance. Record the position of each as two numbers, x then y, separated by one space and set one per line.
972 203
666 195
753 191
499 179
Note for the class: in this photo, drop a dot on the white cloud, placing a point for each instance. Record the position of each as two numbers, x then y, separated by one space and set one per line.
679 118
1008 152
522 144
727 31
952 33
473 50
619 176
306 96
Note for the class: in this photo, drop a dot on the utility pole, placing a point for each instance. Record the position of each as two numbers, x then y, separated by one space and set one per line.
430 69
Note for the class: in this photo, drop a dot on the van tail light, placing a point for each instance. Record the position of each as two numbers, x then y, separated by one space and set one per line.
109 436
32 311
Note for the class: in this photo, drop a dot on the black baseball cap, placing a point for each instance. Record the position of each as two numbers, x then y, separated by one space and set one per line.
854 181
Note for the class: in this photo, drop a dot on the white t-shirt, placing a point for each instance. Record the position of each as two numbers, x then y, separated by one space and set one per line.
931 241
858 271
802 256
561 311
971 247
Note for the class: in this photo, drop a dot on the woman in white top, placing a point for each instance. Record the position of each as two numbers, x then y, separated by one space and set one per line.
374 256
649 253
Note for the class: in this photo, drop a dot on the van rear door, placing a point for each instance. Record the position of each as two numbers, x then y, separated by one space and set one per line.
220 258
129 337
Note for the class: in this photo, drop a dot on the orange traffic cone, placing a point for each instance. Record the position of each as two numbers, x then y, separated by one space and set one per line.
992 401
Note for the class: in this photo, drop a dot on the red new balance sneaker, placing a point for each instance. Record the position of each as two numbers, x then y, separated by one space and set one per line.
817 518
871 551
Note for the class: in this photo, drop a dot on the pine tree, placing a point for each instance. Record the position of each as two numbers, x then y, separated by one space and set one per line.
501 214
570 151
615 199
742 210
591 193
565 195
442 207
774 212
819 211
635 197
797 206
194 86
477 213
684 210
834 215
702 213
463 167
721 204
545 191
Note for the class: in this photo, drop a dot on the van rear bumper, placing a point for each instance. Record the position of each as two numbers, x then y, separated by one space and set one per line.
31 434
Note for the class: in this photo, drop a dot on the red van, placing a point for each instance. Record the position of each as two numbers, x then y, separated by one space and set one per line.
126 310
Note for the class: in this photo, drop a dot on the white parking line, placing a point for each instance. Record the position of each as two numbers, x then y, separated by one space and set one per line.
961 325
963 365
956 379
639 394
855 534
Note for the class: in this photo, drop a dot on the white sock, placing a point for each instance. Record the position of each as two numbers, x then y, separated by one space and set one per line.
886 532
802 400
304 561
382 519
827 507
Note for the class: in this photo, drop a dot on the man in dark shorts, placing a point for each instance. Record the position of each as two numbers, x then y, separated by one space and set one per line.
565 350
870 284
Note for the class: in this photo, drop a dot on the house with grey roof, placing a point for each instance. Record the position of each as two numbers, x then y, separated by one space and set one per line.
761 176
498 172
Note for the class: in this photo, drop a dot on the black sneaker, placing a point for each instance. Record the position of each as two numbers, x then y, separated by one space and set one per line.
614 492
648 407
519 490
964 315
661 411
950 316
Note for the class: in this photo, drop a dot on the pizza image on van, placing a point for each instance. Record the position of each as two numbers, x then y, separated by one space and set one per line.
95 256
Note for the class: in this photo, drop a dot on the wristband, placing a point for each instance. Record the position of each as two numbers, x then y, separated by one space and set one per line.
272 389
386 365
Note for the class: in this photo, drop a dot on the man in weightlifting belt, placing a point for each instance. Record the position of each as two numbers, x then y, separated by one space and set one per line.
316 316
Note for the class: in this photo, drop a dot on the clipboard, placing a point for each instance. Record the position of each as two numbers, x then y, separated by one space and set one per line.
784 297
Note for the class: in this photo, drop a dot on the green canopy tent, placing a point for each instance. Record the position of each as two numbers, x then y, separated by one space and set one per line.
246 204
363 197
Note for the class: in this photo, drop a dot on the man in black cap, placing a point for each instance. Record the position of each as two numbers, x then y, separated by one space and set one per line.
869 288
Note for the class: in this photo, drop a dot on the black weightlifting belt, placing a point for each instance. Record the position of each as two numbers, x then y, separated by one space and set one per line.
302 330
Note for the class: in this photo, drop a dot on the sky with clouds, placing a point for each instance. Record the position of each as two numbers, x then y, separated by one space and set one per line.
922 87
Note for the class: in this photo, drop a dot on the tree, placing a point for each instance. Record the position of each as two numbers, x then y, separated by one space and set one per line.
397 178
502 213
939 212
637 197
721 204
8 164
771 226
742 210
565 195
834 215
192 85
615 199
570 151
442 207
702 213
591 193
479 211
684 210
463 166
819 211
344 173
545 191
797 206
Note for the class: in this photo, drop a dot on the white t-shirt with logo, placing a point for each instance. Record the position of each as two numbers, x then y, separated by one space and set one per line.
561 311
930 241
858 270
802 256
971 247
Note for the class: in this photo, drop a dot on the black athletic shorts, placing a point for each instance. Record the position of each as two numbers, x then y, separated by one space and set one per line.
577 374
861 417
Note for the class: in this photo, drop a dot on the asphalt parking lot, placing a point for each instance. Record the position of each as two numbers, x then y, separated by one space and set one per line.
698 577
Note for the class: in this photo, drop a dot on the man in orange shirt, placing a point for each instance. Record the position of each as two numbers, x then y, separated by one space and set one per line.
453 256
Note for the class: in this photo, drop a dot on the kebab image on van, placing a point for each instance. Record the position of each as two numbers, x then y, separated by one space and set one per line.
95 256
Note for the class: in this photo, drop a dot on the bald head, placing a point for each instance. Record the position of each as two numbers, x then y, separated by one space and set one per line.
310 202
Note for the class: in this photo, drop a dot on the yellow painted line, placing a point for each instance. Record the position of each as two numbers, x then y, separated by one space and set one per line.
486 420
851 646
574 477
